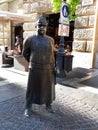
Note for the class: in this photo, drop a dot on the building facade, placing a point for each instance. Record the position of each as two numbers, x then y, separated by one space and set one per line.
85 44
85 33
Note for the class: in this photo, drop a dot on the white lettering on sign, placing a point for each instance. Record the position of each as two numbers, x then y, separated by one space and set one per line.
87 2
63 30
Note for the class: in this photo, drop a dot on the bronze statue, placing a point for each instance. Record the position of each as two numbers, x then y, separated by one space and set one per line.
38 51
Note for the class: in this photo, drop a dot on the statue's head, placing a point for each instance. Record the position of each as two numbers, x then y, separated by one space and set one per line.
41 25
42 20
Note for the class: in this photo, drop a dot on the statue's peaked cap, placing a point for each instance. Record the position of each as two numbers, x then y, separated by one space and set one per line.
42 19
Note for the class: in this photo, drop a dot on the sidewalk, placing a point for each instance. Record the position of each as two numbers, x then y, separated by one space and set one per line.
76 104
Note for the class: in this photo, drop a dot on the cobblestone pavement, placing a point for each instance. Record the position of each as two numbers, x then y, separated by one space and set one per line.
75 109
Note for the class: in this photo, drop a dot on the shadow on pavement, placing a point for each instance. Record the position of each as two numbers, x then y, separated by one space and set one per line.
2 79
10 90
93 82
79 77
78 73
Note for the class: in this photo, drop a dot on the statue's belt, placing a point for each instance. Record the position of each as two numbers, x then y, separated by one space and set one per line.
41 66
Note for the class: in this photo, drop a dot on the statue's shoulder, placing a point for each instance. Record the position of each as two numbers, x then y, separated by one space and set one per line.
32 36
28 39
50 38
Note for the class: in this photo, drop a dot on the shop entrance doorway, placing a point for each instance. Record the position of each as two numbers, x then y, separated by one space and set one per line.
17 30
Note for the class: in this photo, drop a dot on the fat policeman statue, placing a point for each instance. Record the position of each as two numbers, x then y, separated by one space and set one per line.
38 51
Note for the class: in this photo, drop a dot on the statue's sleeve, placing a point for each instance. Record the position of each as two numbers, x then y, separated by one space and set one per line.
51 41
26 49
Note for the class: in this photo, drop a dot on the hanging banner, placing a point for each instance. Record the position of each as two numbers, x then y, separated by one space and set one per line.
63 30
64 14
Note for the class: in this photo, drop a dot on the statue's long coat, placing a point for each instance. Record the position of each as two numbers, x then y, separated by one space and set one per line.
38 51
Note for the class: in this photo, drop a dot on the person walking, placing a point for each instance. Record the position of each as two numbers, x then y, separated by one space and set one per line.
19 44
38 50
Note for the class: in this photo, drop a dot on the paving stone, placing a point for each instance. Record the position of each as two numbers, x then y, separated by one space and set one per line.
75 109
70 114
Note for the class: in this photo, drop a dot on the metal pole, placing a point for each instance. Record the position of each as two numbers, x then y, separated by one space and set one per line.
61 49
60 59
60 63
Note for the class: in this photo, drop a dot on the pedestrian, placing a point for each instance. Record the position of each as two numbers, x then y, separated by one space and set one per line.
68 49
38 50
19 44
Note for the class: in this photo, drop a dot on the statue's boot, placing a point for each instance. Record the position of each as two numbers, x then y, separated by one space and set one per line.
49 109
28 112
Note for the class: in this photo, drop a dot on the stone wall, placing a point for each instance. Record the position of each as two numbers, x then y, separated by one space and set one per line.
12 6
4 33
4 6
84 29
15 5
84 32
29 28
34 9
37 7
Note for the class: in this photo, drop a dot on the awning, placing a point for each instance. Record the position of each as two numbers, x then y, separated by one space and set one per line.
14 16
4 1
